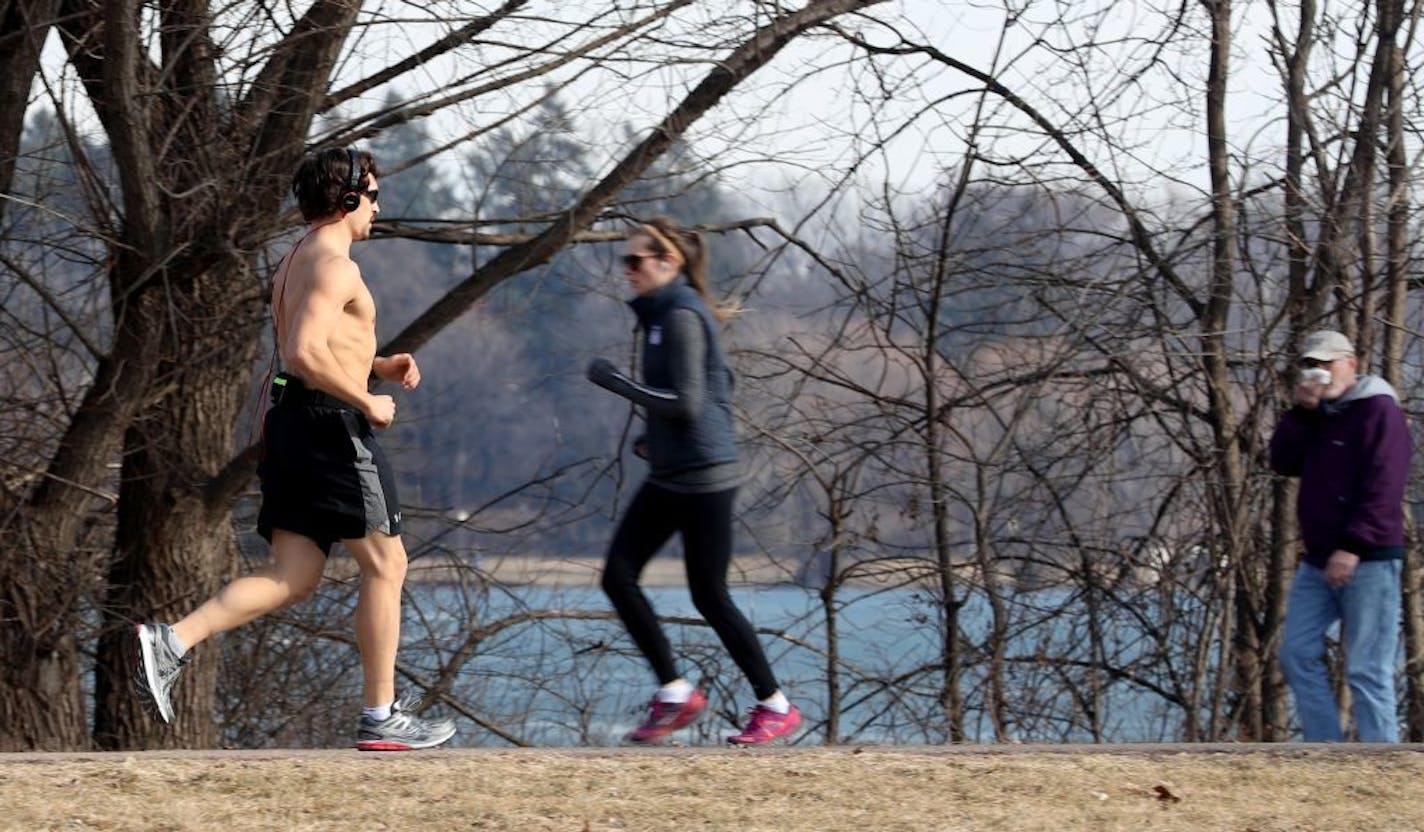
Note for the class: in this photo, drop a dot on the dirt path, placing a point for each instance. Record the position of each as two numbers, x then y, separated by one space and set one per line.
1260 788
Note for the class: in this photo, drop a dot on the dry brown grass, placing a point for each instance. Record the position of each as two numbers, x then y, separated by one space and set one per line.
1302 790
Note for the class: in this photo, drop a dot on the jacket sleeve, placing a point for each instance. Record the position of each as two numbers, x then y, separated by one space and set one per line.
1289 442
687 352
1375 516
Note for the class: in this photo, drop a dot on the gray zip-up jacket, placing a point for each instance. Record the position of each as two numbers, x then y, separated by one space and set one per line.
686 391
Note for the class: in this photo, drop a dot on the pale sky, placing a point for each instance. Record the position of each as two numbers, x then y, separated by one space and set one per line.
818 128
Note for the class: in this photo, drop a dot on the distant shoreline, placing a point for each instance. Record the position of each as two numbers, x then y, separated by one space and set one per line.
663 571
899 572
526 570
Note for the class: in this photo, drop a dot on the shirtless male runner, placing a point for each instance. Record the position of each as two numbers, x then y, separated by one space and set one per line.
323 476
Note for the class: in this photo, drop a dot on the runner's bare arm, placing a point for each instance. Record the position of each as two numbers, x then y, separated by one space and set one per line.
400 367
307 350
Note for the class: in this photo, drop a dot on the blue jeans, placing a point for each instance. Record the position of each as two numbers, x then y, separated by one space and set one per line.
1368 609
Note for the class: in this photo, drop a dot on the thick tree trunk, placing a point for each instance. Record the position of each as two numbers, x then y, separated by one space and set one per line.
184 321
172 554
40 702
172 548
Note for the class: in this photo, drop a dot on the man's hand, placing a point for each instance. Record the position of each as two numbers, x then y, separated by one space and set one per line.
1340 568
399 367
380 411
1308 393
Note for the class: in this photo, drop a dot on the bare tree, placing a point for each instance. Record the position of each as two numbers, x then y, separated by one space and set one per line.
205 113
1037 398
1192 320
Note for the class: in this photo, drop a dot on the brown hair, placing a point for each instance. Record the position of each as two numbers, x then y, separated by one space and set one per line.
323 177
662 231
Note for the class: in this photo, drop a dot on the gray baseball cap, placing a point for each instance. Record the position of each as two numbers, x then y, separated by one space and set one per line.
1326 345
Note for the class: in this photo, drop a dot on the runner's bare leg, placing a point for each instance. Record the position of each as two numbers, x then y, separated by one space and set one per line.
382 559
294 573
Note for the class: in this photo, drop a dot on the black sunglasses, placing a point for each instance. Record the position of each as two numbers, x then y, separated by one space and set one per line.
374 194
1316 362
633 261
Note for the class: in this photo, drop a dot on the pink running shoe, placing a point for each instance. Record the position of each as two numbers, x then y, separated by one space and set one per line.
767 725
666 717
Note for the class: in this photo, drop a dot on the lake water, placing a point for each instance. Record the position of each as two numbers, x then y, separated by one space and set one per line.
557 682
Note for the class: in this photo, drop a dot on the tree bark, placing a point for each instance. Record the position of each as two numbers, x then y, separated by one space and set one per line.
173 549
24 25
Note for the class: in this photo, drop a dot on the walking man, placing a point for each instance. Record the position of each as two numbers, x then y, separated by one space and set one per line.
1347 440
323 476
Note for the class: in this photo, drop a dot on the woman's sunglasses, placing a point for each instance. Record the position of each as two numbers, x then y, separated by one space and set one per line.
633 261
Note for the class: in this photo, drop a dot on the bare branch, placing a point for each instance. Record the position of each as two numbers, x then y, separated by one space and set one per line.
758 51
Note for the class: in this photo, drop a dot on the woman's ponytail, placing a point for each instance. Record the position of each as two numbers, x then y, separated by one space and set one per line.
693 252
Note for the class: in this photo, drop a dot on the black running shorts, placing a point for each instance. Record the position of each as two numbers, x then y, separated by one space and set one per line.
323 475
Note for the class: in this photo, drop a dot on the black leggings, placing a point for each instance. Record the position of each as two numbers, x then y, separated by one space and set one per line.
705 523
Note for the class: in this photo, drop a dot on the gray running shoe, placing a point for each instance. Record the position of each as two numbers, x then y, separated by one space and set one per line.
402 731
157 669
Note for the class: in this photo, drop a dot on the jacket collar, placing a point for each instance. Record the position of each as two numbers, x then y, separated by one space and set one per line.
651 306
1366 387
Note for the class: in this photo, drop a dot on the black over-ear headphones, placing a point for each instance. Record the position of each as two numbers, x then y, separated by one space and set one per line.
351 197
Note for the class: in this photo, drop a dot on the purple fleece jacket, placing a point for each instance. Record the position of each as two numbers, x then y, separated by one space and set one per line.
1352 457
